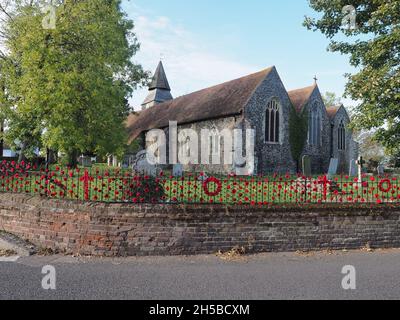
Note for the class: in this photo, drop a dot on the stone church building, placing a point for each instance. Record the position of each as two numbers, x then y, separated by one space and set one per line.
260 101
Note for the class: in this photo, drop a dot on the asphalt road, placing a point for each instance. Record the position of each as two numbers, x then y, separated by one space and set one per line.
265 276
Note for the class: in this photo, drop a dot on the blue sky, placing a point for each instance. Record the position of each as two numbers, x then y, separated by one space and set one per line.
207 42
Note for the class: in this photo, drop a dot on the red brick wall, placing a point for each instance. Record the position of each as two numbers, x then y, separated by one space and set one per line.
126 229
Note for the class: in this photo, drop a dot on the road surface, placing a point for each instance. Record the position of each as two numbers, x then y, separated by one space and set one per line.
264 276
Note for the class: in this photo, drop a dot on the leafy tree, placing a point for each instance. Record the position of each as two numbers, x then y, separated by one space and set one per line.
71 84
373 44
370 148
23 123
331 99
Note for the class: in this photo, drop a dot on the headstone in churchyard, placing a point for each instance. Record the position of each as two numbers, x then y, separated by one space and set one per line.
381 170
306 162
109 160
177 170
353 168
333 167
360 164
85 161
142 166
115 161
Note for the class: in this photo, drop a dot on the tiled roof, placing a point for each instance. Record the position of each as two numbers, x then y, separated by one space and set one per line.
222 100
300 97
332 111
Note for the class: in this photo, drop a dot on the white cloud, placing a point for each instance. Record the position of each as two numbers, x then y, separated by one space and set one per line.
189 65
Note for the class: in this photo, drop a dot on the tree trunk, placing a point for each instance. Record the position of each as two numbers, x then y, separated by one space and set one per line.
50 157
73 158
21 156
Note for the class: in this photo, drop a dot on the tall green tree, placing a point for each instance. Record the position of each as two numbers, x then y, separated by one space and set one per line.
24 121
72 83
370 35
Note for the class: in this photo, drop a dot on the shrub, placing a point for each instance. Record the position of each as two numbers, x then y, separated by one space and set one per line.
147 189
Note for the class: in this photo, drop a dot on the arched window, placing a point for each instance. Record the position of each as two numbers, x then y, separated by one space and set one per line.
214 142
272 122
314 126
187 146
341 136
184 144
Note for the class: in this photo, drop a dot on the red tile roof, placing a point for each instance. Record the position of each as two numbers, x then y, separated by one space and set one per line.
300 97
222 100
332 111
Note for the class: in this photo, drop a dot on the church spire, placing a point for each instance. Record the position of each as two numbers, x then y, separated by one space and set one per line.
159 89
160 80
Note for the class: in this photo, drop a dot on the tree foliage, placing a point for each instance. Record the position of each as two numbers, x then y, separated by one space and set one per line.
70 85
374 49
331 99
370 148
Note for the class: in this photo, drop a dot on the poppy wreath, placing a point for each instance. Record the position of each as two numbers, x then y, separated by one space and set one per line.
384 182
217 191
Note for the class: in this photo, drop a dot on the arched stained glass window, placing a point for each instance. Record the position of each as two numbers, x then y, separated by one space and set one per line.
272 122
341 136
214 141
314 126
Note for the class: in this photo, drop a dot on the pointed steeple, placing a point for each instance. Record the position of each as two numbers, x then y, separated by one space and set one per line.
159 89
160 80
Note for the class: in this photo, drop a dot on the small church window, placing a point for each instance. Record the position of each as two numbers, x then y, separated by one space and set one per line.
187 147
342 136
272 122
314 127
214 142
184 145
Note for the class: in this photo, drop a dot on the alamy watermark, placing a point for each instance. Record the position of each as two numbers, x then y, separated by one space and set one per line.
349 282
349 21
211 146
49 19
49 280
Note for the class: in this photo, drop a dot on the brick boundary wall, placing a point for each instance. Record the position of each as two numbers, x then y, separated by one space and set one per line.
129 230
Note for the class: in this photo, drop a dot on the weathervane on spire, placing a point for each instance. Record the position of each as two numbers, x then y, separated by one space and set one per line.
161 56
315 79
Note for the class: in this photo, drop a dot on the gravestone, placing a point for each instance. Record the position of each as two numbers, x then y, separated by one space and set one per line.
360 164
333 167
85 161
177 170
306 162
381 170
142 166
353 168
